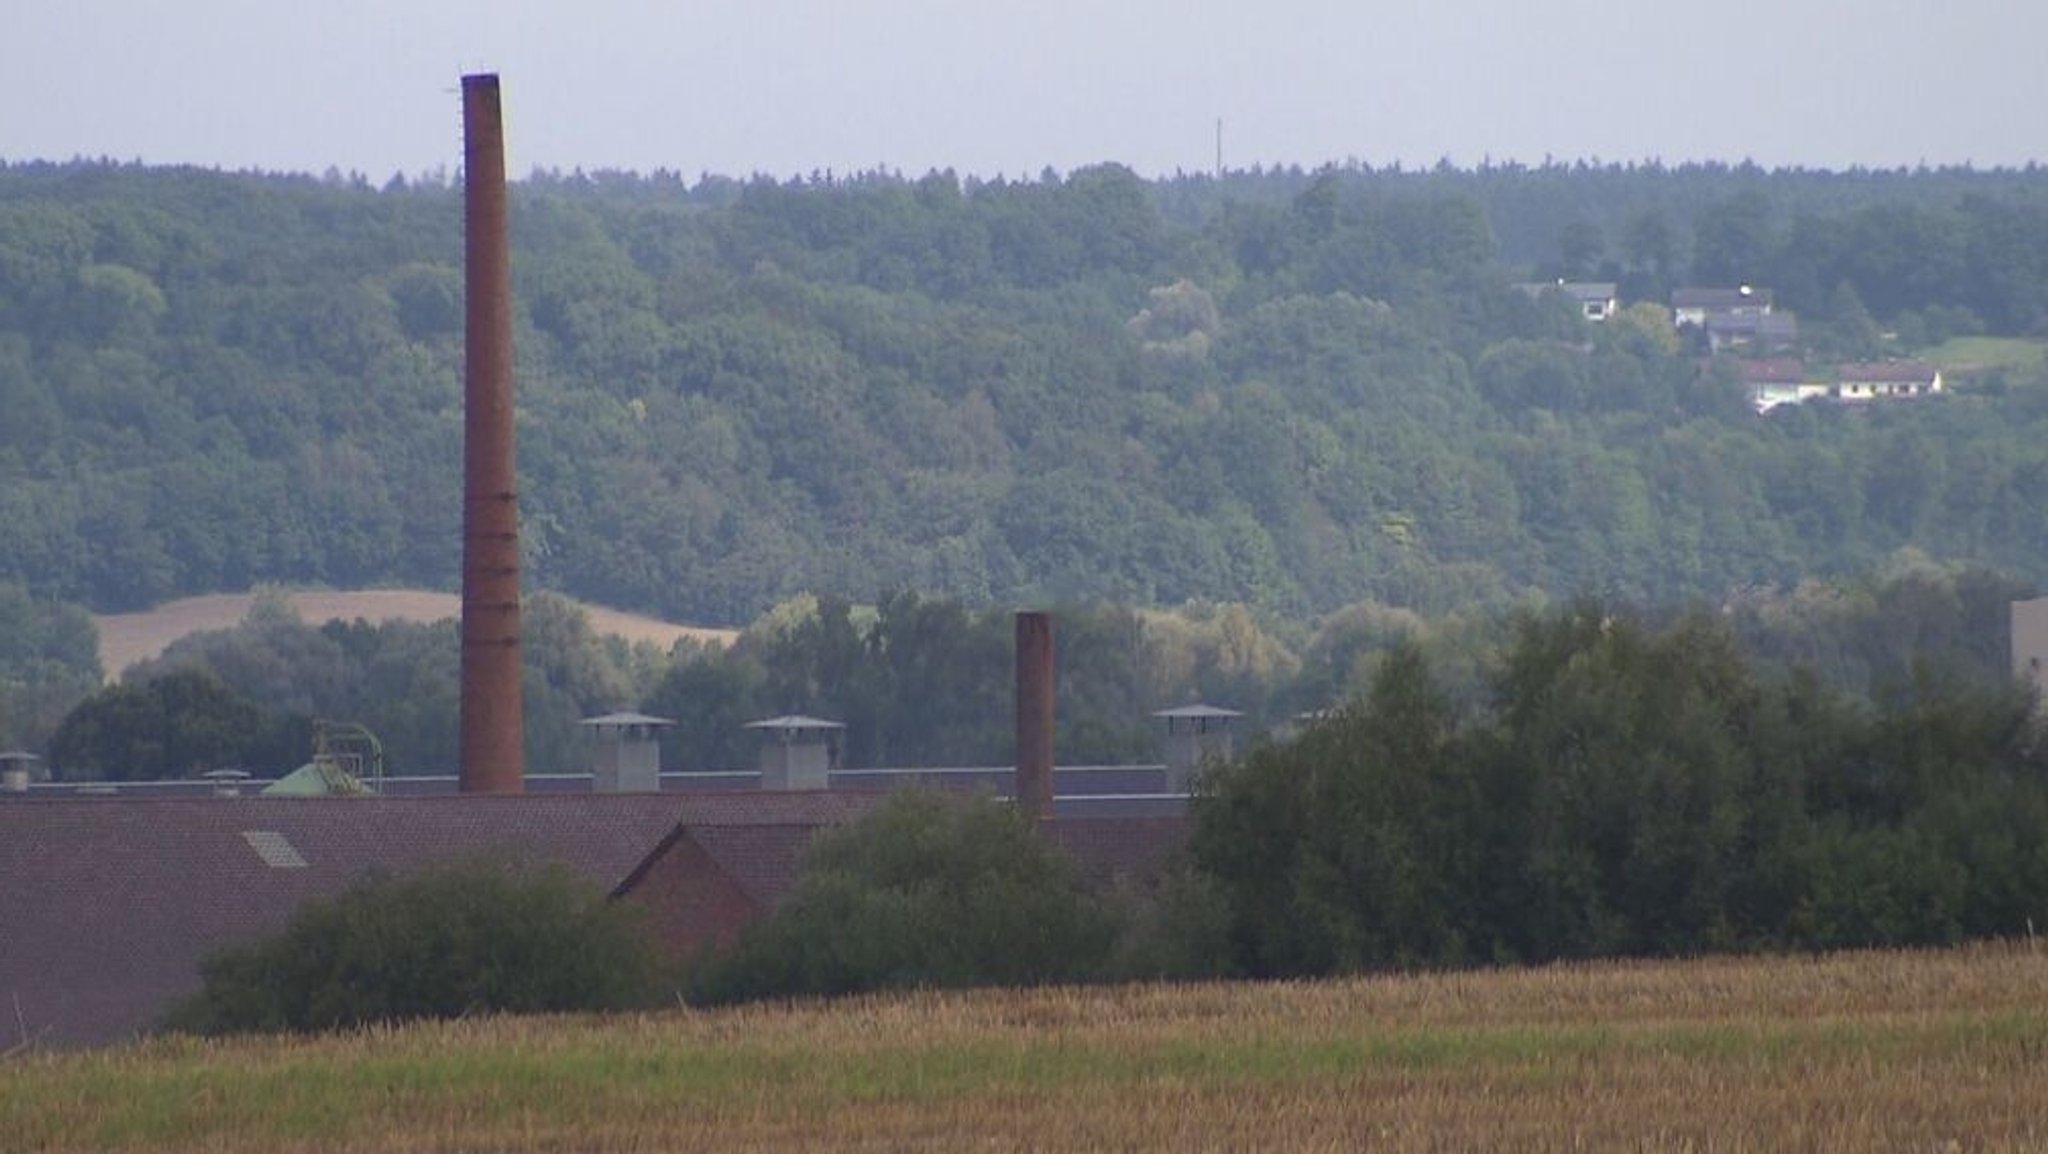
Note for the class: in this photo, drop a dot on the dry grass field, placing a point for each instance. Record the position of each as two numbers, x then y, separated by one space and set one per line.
126 638
1930 1051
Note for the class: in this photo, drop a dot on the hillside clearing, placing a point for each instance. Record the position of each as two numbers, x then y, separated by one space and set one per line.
126 638
1928 1051
1971 356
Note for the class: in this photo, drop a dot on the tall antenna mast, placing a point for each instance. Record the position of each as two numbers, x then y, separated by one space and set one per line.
1219 148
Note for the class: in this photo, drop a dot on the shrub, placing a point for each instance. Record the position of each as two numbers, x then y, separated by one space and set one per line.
468 938
927 890
1173 928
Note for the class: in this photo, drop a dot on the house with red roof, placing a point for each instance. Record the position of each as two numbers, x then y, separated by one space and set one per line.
1885 381
1772 383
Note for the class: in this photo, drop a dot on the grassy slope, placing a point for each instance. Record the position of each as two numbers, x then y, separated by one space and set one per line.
1855 1052
1968 355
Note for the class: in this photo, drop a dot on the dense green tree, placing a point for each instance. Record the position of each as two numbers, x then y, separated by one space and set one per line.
1629 754
711 695
49 662
1536 375
1650 248
181 724
1375 857
1850 331
400 680
928 890
1884 636
921 681
1580 245
1732 241
1292 390
1628 788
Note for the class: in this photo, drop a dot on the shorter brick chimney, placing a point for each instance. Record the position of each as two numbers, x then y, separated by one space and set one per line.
1035 686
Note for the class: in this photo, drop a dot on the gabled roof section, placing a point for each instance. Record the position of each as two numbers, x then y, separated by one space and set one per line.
628 718
1753 324
764 858
1776 371
1582 289
109 904
756 838
1742 296
1588 291
1888 372
794 722
1199 711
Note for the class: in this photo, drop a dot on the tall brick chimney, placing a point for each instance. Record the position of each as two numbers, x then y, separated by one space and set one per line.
493 712
1035 682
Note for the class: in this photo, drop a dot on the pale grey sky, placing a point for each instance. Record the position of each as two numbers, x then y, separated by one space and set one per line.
1002 86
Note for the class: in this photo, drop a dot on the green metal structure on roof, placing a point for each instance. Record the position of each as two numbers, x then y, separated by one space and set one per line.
317 779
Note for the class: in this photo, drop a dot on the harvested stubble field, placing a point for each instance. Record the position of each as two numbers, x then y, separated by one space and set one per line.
1878 1051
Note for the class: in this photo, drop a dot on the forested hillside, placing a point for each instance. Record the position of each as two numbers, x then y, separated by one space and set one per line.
1294 390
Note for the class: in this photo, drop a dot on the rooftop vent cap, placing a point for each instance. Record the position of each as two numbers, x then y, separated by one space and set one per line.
1195 735
16 770
226 782
625 754
799 753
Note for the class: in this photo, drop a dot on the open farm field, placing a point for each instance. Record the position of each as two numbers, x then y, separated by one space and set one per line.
126 638
1966 356
1877 1051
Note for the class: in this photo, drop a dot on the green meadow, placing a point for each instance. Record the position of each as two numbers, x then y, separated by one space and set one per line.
1970 355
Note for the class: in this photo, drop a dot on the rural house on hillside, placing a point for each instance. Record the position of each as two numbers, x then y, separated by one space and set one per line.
1594 300
1773 383
1697 307
1741 318
1886 380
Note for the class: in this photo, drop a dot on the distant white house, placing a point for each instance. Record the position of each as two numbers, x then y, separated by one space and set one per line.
1783 381
1595 300
1761 334
1886 380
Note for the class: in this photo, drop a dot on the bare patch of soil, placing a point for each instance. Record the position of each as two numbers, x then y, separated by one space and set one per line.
126 638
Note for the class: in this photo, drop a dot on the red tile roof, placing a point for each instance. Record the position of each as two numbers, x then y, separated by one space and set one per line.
107 906
757 839
1887 372
1776 371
